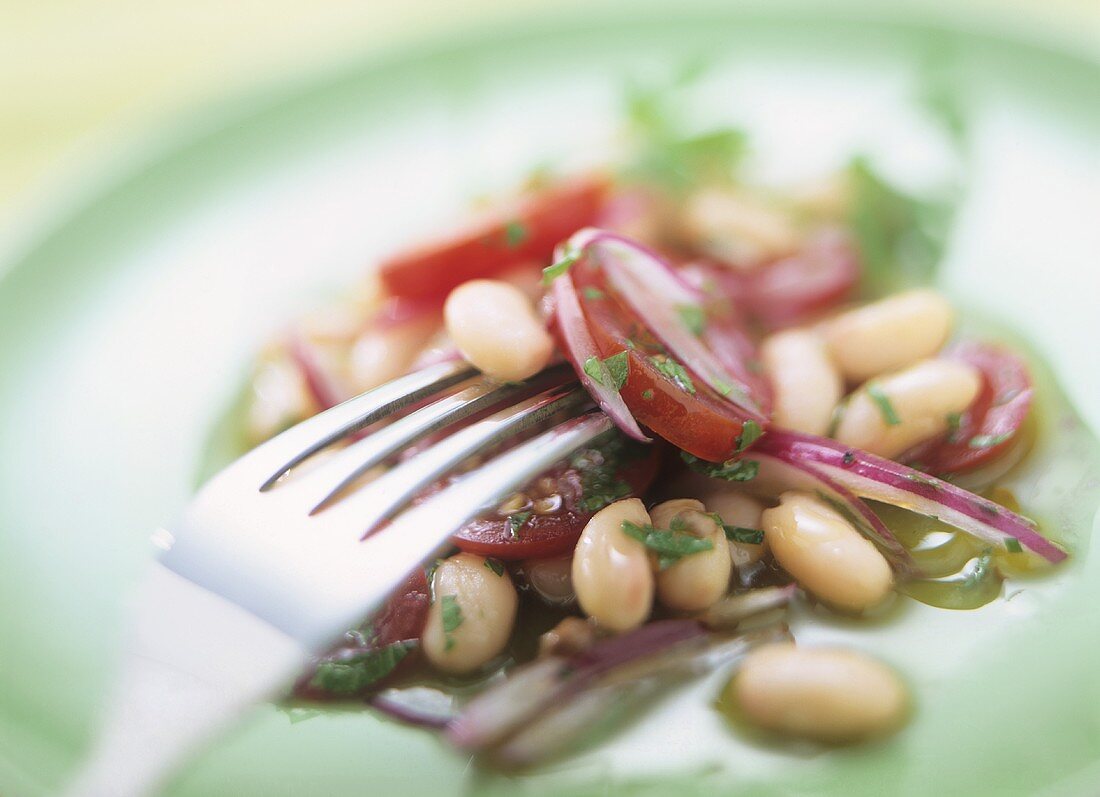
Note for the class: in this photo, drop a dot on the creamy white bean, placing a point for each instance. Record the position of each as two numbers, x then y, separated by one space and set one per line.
699 579
888 334
552 579
382 354
826 694
611 571
807 384
495 327
825 553
891 414
471 616
741 230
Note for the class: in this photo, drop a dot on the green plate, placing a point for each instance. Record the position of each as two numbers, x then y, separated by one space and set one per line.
125 327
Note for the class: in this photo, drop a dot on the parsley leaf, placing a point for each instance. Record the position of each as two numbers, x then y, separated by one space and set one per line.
673 370
670 545
954 421
452 619
875 391
356 672
556 269
593 293
515 233
647 394
693 317
988 440
495 565
742 534
599 471
1012 545
750 433
517 521
733 470
611 372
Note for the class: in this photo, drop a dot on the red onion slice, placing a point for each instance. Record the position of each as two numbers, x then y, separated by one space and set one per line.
581 348
883 480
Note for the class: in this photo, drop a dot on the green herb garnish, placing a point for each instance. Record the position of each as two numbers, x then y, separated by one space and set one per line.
611 372
452 619
516 522
674 371
750 433
954 421
733 470
556 269
671 545
515 233
601 483
357 672
693 317
882 401
647 394
495 565
1012 545
988 440
742 534
593 293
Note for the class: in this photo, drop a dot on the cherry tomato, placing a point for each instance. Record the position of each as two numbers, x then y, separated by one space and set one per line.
990 427
690 417
791 290
528 232
579 488
401 619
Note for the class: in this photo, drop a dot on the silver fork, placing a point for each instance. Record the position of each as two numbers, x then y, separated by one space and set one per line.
268 566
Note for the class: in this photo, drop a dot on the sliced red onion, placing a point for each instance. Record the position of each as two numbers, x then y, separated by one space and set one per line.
318 383
777 474
650 287
419 705
581 348
494 714
883 480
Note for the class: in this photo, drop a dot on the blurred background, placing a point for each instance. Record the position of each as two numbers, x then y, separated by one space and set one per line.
87 83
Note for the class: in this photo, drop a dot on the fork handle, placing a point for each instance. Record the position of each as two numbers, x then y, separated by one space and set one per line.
194 664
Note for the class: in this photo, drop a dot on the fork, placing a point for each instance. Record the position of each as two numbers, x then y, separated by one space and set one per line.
268 565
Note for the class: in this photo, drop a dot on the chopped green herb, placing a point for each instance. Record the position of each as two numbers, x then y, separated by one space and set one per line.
882 401
354 673
674 371
630 344
593 293
611 372
725 388
452 619
495 565
517 521
593 366
988 440
647 394
954 421
670 545
555 270
515 233
750 433
599 470
733 470
1012 545
693 317
742 534
848 458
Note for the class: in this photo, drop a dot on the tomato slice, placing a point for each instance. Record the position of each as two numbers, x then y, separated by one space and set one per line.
990 427
401 619
789 291
582 486
690 417
527 232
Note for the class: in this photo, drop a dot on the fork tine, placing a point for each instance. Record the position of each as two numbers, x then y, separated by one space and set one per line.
380 446
300 442
378 501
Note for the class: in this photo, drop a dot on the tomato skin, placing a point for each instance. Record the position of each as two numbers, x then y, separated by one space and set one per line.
497 243
700 423
551 535
1000 409
401 619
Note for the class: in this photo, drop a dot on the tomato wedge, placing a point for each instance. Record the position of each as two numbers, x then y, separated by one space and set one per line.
789 291
401 619
687 414
528 232
579 488
990 427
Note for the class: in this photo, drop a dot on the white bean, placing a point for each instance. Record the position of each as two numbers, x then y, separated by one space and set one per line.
552 579
807 383
825 553
891 414
739 229
382 354
825 694
889 334
699 579
495 327
471 616
611 572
